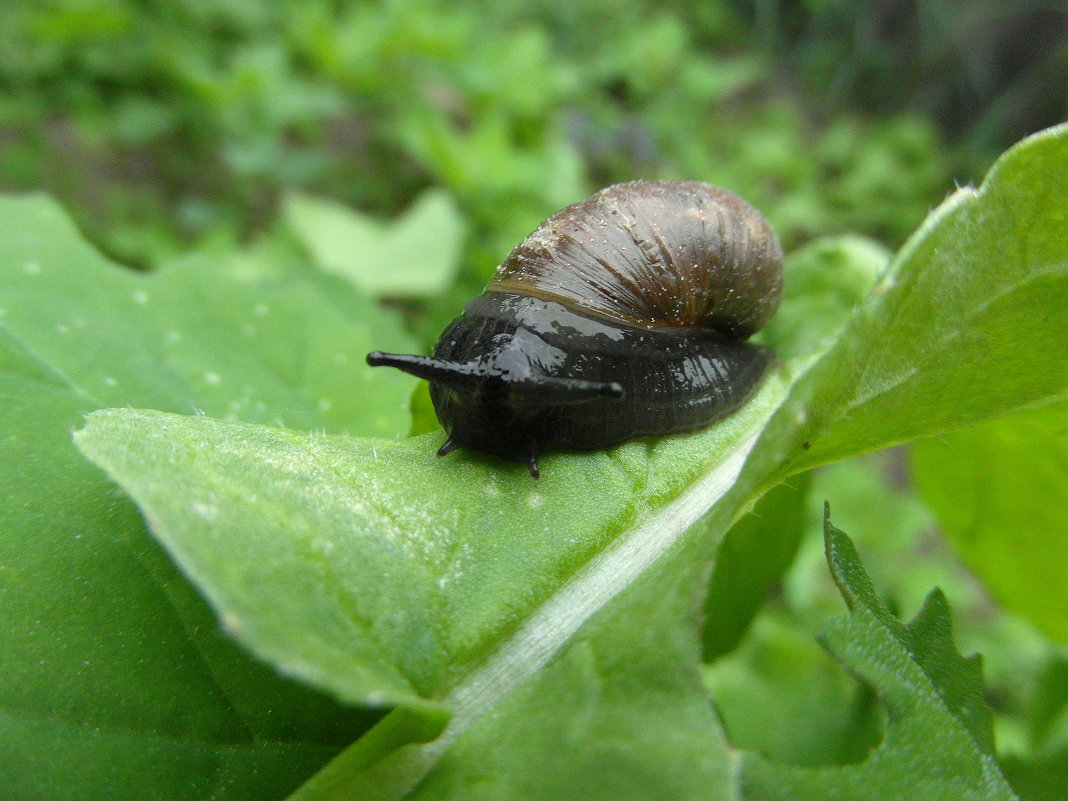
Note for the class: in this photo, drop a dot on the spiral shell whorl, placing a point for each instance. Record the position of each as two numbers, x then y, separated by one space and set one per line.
653 254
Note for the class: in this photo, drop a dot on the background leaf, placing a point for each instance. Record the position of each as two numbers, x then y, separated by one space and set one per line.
415 255
755 553
999 492
825 280
114 671
780 694
181 339
938 741
1041 772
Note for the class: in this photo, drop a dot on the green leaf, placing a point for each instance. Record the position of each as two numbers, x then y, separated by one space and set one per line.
825 280
938 742
391 576
1048 723
358 530
114 675
1042 779
890 523
617 713
927 639
784 696
755 553
936 345
188 339
1041 772
416 255
999 491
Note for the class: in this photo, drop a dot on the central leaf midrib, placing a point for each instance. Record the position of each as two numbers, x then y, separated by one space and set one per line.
550 626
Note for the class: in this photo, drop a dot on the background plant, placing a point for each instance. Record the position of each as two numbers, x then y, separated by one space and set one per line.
166 123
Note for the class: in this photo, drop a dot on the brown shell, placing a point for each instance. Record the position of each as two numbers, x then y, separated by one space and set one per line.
652 254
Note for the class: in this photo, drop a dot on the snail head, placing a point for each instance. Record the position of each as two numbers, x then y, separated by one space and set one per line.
497 401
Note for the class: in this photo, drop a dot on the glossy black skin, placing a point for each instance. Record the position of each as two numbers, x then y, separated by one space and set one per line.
673 380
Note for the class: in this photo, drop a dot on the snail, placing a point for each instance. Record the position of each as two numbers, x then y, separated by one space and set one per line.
620 317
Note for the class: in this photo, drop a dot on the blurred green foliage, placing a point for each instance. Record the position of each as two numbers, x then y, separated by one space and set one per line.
987 71
178 123
1026 681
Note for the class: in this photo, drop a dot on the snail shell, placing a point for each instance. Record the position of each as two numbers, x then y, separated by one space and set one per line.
620 317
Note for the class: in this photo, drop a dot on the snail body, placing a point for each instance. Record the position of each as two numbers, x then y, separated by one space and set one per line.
620 317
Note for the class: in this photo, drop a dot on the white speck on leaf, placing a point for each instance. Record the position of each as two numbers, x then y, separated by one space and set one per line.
260 309
207 511
884 286
140 297
109 381
231 623
174 336
212 378
32 268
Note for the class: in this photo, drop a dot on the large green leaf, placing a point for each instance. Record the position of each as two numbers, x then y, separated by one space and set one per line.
938 742
407 568
1000 491
181 339
753 556
114 676
782 695
937 343
114 672
461 587
586 700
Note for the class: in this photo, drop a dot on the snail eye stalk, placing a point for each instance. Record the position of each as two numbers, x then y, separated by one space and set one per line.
438 371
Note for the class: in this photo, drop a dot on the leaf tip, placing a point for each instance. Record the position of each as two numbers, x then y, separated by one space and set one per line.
839 551
846 568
